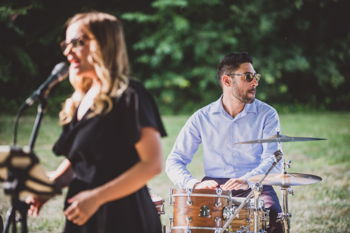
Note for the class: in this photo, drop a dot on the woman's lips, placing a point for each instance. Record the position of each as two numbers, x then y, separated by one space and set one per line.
74 63
72 60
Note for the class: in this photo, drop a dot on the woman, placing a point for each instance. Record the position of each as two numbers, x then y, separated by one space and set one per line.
111 134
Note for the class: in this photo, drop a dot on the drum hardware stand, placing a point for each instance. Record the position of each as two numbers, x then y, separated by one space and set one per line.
285 180
285 216
256 190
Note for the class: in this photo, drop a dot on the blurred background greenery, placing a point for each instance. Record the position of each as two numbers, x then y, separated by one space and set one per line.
300 47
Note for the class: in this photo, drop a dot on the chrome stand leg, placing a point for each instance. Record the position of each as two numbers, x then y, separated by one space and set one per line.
257 191
285 216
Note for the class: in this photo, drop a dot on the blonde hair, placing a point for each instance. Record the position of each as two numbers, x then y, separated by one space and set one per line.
109 57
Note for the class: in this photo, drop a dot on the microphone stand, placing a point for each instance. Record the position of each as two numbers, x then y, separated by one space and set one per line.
40 114
16 177
256 190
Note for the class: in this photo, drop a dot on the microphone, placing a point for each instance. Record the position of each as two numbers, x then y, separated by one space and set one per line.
58 74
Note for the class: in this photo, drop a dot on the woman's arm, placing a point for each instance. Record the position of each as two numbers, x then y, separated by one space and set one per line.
150 164
62 176
86 203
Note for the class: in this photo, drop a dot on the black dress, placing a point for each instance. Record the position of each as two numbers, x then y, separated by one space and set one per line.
100 149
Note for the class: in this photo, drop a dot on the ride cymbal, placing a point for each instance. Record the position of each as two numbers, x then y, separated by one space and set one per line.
281 138
288 179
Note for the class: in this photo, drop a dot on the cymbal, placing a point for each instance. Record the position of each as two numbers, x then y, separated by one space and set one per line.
281 138
288 179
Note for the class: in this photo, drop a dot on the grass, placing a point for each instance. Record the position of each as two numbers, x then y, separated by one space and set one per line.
322 207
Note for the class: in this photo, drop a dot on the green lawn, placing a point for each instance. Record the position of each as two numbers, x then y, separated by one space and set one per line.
322 207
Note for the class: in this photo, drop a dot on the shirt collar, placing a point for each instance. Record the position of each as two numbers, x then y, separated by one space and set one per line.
217 107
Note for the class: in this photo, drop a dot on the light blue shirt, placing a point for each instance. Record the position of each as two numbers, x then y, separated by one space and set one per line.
218 132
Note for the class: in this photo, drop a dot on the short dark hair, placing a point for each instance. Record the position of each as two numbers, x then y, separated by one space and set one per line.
231 62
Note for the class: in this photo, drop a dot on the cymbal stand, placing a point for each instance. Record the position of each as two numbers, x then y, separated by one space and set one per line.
285 216
256 190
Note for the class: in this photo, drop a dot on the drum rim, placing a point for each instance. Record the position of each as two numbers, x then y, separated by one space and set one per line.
200 195
194 228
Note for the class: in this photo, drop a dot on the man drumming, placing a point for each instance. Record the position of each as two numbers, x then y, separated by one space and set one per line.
235 117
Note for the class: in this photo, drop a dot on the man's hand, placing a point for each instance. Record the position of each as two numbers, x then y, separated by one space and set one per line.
235 184
207 184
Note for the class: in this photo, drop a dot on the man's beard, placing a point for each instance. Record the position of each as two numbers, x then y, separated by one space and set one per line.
248 100
244 98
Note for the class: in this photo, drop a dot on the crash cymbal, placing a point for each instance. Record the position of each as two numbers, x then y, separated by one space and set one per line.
281 138
288 179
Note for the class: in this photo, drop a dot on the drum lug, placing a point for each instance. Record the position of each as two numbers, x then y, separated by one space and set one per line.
218 201
171 221
171 197
189 201
218 221
188 220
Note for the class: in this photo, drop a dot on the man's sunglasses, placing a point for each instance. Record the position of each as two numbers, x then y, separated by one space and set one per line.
248 76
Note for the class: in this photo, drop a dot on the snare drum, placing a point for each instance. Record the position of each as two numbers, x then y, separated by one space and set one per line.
199 210
206 211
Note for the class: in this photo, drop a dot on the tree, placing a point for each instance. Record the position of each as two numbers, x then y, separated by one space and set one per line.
295 44
300 47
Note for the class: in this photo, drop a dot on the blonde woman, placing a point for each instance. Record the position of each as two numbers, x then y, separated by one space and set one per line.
111 134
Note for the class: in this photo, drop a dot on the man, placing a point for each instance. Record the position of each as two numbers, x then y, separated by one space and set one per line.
235 117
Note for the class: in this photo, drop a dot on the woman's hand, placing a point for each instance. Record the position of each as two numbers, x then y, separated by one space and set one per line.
35 203
83 206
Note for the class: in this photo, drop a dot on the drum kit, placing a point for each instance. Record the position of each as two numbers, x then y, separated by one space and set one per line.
217 211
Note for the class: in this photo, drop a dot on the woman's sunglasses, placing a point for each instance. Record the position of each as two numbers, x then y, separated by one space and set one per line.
75 43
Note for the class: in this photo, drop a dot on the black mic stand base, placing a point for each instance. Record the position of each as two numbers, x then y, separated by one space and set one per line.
1 224
20 207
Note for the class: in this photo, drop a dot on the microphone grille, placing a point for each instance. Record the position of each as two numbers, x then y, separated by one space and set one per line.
60 70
